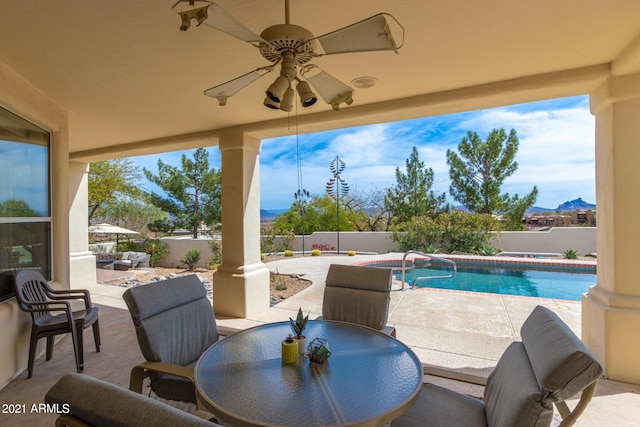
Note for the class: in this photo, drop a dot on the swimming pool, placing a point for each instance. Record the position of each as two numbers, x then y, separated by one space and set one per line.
565 283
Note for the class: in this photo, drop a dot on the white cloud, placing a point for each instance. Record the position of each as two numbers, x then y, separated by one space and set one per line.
556 152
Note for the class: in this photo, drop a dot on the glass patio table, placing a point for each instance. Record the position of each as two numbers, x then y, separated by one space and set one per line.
369 379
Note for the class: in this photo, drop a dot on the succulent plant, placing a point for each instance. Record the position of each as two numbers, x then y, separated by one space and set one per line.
299 324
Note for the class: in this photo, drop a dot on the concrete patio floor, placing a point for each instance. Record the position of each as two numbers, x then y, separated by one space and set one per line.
462 332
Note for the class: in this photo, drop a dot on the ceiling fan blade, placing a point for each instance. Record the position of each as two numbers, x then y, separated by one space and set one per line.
223 21
332 90
225 90
216 17
371 34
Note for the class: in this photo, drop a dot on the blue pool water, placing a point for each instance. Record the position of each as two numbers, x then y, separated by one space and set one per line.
567 285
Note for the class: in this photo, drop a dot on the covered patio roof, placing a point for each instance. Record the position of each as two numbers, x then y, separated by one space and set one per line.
117 79
132 83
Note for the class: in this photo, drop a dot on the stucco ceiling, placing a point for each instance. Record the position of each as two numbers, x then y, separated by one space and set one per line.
125 73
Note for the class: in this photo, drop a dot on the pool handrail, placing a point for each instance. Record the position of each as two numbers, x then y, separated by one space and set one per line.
445 260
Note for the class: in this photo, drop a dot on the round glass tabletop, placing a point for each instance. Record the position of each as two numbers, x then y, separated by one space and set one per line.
369 379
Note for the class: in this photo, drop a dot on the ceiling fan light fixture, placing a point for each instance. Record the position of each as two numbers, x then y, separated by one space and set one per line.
275 92
332 90
292 47
270 103
307 97
287 100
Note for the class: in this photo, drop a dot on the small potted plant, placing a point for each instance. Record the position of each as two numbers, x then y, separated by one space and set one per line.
298 326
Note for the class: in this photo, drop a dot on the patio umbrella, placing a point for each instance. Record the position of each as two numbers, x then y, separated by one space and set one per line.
110 229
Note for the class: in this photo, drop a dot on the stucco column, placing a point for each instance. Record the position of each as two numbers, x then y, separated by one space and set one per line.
241 283
611 309
81 260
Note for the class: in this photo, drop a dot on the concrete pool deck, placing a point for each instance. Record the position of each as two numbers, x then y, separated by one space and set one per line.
459 330
462 331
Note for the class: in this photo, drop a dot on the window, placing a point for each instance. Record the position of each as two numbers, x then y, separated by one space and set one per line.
25 207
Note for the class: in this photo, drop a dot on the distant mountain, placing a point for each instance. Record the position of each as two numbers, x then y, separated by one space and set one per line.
577 204
569 206
270 214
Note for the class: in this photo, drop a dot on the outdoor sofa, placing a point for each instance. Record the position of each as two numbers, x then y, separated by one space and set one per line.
123 260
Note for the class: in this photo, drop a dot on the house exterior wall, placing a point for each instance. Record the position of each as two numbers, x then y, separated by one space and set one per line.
82 271
18 96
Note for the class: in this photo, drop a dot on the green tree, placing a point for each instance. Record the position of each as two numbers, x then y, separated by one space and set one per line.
109 182
193 192
479 170
320 216
412 195
513 217
132 214
161 226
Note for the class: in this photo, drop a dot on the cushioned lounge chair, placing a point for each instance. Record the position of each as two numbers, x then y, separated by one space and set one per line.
52 314
85 401
549 366
359 295
175 324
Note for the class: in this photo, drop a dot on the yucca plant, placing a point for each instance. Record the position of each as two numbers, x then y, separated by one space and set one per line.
488 250
570 254
299 324
191 259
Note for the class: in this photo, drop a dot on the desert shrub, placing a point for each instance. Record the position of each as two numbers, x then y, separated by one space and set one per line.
274 240
351 253
431 250
216 257
323 247
418 234
191 259
451 231
466 232
315 252
570 254
288 253
488 250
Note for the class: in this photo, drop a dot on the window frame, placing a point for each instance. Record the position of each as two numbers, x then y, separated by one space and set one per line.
47 221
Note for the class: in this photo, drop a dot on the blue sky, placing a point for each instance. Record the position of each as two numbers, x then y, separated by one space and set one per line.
557 153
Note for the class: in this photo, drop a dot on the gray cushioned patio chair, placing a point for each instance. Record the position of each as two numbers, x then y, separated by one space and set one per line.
52 314
549 366
88 401
175 324
358 295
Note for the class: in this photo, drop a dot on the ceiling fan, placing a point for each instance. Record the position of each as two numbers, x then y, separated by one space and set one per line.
292 47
